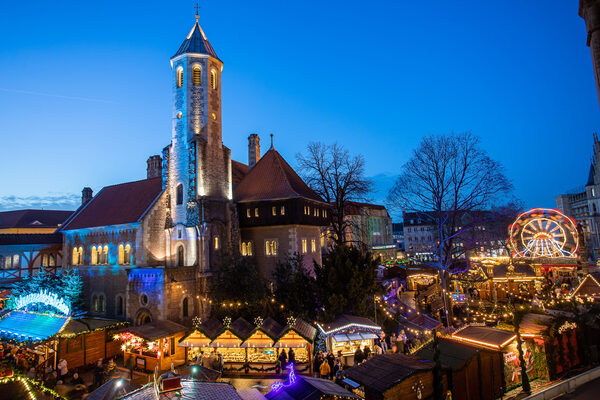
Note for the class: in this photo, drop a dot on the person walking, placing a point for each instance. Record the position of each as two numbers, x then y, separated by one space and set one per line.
317 364
331 362
325 370
283 359
291 357
358 356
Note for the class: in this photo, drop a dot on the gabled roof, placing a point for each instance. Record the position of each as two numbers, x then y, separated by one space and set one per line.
156 330
308 388
196 42
242 328
272 328
118 204
33 218
112 389
386 370
534 324
453 354
484 336
212 327
85 325
346 321
272 178
238 172
588 287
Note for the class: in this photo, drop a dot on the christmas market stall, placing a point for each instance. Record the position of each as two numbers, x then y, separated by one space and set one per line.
197 341
588 289
504 341
347 333
16 386
504 280
393 376
85 340
261 352
152 345
228 343
475 372
420 277
297 336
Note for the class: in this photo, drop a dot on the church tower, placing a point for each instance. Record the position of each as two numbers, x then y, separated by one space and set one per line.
197 166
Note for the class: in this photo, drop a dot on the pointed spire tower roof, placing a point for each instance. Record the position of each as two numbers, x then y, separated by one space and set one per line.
196 42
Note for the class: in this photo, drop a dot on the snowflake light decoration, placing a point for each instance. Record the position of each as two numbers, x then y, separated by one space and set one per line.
258 321
227 321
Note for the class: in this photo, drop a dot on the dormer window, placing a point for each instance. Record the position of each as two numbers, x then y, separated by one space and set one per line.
196 75
179 76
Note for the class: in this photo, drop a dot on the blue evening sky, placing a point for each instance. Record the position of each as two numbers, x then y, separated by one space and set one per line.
85 93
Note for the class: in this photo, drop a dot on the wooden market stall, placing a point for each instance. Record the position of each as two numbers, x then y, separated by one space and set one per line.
475 372
420 277
347 333
260 349
503 280
588 289
153 344
228 344
84 341
298 336
394 376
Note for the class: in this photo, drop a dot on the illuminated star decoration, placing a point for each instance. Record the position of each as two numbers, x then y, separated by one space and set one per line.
227 321
196 321
291 320
258 321
278 386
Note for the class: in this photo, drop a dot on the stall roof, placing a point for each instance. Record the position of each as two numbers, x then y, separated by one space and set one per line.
308 388
520 269
192 389
30 326
588 287
112 389
271 327
453 354
485 336
302 328
84 325
346 321
212 327
242 328
425 321
534 324
386 370
250 394
156 330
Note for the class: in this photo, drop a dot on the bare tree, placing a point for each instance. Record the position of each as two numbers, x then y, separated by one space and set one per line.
447 178
338 178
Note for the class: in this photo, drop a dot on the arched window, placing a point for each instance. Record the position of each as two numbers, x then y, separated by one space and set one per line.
196 75
179 76
121 254
51 260
105 255
180 256
119 306
217 244
244 249
213 79
95 306
249 248
44 260
102 303
179 194
127 254
185 308
94 255
75 259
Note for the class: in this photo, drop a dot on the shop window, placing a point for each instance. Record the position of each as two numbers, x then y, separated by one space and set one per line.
185 308
196 75
179 195
179 76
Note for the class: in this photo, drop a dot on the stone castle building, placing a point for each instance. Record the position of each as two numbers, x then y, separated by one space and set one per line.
146 249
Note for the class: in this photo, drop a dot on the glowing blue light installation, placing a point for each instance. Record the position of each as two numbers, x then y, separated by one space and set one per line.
43 297
278 386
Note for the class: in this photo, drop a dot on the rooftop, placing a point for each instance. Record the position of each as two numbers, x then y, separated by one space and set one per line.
33 218
196 42
484 336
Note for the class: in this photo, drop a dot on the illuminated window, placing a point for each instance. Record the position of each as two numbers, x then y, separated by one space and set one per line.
51 260
322 240
127 254
271 247
256 212
102 303
274 210
105 255
77 256
216 243
244 249
282 212
179 195
304 246
213 79
94 255
44 260
179 77
121 254
313 245
196 75
248 213
95 305
249 248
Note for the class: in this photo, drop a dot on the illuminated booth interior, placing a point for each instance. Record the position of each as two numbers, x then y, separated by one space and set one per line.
347 333
152 344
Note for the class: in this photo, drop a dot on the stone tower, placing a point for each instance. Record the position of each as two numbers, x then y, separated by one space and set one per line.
589 10
198 166
253 150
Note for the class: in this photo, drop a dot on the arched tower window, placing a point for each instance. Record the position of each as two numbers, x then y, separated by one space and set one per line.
94 255
213 79
102 303
120 305
180 256
185 308
127 255
179 194
179 76
51 260
196 75
121 254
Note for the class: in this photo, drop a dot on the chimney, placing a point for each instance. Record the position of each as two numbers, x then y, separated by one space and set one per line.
253 150
154 169
86 195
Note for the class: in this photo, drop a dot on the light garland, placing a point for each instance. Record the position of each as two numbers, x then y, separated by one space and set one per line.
44 297
566 326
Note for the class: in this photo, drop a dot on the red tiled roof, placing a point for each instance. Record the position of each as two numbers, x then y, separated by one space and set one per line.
238 172
272 178
117 204
33 218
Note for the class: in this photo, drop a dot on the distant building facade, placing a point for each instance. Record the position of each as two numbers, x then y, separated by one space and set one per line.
28 242
370 226
583 204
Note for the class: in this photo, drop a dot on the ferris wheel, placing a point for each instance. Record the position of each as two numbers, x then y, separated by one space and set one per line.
543 232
